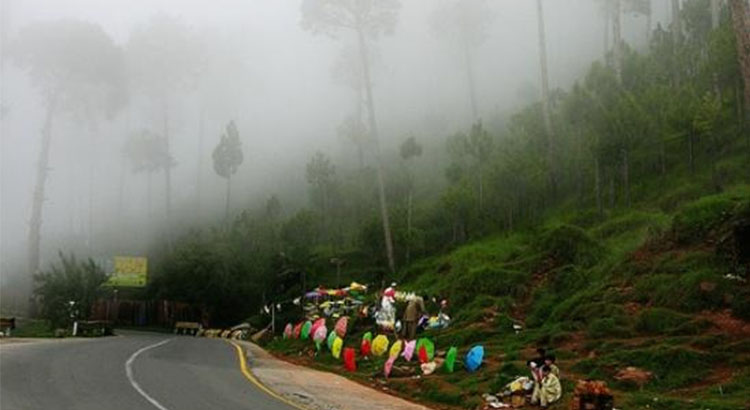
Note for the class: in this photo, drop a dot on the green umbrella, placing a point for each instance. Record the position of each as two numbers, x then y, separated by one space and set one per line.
450 359
331 337
306 330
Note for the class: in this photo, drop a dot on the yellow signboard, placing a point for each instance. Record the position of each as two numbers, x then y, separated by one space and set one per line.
130 271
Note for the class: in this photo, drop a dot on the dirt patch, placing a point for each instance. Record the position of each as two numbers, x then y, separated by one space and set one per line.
726 323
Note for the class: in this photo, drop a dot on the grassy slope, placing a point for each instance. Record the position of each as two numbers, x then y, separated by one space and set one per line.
643 287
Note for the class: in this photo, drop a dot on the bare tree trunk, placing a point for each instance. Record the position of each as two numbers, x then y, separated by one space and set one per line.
199 171
617 28
229 193
649 16
470 81
374 133
607 17
360 139
626 176
715 11
35 223
676 21
510 217
121 193
149 183
168 167
741 24
691 152
408 225
598 186
92 173
481 189
551 156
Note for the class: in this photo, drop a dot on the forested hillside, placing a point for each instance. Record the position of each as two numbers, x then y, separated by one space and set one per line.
642 135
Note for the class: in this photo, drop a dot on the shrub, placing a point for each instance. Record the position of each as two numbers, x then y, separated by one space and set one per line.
627 222
694 221
568 244
69 290
659 320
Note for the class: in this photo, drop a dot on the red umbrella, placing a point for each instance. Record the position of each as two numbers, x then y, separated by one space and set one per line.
349 361
365 349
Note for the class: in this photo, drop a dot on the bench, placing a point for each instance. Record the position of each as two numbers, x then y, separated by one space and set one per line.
187 328
95 328
6 325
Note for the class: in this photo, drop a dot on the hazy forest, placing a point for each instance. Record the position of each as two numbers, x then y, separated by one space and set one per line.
580 167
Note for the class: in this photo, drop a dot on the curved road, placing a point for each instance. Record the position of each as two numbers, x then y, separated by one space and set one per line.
136 371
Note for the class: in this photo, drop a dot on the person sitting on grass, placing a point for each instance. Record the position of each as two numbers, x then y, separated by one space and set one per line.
548 391
550 361
535 365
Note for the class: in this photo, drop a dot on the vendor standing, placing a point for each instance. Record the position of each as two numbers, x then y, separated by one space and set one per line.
414 310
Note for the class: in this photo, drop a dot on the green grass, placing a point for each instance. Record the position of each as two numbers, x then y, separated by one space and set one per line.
605 294
32 328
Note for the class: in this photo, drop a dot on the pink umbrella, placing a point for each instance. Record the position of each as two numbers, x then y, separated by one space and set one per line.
288 331
341 326
320 334
409 350
389 366
318 323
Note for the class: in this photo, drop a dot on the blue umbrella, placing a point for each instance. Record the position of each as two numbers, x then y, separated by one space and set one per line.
474 358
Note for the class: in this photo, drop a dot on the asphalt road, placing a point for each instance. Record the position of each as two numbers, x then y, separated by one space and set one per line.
133 371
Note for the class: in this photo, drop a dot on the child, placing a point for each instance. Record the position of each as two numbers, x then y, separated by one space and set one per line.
550 361
549 390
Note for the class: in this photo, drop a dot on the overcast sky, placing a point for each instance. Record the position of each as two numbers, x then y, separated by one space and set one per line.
278 86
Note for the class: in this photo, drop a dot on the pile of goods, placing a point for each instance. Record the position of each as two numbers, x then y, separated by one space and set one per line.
334 303
592 395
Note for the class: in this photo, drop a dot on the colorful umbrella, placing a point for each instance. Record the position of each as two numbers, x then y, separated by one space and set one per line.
474 358
365 349
395 349
306 328
297 330
388 366
338 343
320 336
318 323
341 326
288 331
329 341
409 350
380 345
450 359
425 350
349 362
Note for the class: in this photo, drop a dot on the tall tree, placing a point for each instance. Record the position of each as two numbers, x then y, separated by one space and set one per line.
741 23
147 153
465 22
715 13
617 36
367 20
409 149
676 21
227 158
163 57
73 64
546 106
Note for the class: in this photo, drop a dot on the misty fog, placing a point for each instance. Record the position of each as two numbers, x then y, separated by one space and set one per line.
286 89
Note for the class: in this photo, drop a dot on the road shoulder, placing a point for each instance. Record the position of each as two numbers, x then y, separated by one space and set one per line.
317 390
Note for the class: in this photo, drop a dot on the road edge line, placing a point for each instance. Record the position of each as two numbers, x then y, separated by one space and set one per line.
254 380
131 379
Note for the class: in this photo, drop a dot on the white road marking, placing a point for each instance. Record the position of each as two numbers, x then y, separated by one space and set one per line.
129 373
